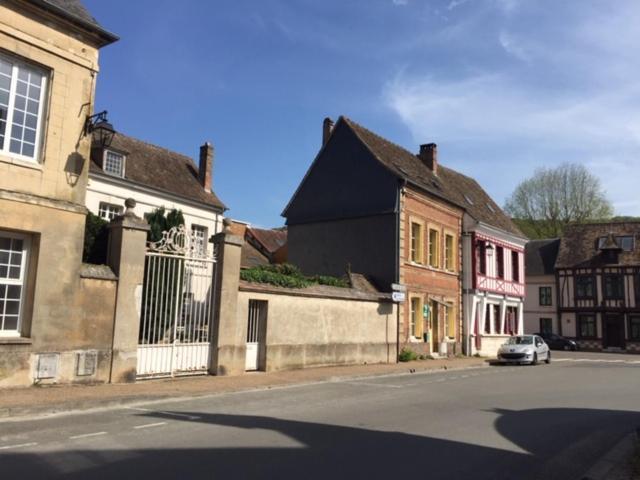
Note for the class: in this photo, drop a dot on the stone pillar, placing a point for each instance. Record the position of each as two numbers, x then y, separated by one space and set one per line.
228 356
126 256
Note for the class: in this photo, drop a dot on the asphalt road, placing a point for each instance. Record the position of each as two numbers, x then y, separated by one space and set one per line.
544 422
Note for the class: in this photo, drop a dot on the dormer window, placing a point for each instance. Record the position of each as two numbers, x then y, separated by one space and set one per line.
625 242
113 163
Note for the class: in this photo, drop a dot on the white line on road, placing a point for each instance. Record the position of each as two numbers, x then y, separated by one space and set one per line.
86 435
598 360
384 385
149 425
173 414
20 445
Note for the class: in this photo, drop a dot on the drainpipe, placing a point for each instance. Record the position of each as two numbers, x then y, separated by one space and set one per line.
398 209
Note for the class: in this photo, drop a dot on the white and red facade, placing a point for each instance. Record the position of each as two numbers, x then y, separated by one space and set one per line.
493 287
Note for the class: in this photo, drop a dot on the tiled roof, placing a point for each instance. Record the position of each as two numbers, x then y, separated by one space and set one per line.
159 168
540 256
579 244
271 239
448 185
75 11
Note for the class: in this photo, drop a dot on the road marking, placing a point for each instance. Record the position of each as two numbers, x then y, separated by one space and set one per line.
20 445
597 360
149 425
173 414
383 385
86 435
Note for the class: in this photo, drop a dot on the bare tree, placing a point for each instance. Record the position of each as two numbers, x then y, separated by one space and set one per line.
554 197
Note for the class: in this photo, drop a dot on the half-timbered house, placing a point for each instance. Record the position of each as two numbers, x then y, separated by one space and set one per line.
598 281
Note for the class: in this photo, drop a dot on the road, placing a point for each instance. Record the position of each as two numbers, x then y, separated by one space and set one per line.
544 422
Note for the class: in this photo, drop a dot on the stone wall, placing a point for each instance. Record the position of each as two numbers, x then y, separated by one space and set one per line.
321 326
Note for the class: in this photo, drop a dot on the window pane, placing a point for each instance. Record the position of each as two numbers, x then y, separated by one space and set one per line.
22 88
20 102
16 258
10 322
4 258
5 82
28 150
13 292
31 121
12 308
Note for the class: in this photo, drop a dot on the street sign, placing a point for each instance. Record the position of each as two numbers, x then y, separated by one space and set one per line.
398 287
398 296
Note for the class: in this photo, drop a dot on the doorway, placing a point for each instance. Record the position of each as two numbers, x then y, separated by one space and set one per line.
256 335
613 334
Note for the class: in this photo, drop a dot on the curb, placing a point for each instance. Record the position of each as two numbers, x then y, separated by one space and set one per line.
19 413
614 461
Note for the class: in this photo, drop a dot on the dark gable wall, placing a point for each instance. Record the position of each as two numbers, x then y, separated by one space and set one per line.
344 214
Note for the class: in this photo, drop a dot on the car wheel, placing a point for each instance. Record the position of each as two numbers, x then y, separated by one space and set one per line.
548 359
535 359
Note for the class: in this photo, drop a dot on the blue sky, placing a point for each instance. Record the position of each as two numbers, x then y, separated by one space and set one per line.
502 86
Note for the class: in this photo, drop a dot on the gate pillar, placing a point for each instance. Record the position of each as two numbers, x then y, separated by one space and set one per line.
126 254
228 355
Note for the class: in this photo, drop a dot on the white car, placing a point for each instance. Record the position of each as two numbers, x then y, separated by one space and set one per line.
524 349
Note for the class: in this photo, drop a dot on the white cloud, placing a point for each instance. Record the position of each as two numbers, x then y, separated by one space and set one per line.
512 47
401 3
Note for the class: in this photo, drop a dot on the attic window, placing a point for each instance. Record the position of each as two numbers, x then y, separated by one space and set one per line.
435 184
466 197
403 171
113 163
625 242
491 209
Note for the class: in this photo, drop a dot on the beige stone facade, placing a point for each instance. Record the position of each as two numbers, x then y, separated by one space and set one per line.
42 203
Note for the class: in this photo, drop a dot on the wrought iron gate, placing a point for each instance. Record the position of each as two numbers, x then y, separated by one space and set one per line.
177 306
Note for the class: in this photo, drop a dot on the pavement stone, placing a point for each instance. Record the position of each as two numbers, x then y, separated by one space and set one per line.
52 399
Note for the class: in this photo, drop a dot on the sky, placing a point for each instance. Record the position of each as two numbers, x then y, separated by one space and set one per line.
502 86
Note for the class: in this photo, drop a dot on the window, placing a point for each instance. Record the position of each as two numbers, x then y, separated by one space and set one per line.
500 262
625 242
467 199
482 258
636 287
613 286
585 286
634 328
546 327
449 253
434 248
490 208
22 93
515 266
200 236
13 261
450 322
416 319
113 163
496 319
544 294
108 211
416 242
587 326
487 319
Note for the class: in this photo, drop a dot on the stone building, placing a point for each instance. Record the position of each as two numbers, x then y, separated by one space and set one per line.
541 302
48 71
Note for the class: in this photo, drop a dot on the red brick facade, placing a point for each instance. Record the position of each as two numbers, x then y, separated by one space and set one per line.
429 278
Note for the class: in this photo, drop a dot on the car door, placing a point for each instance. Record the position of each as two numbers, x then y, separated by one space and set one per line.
541 348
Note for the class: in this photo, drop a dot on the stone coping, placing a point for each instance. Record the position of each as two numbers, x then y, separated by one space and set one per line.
98 272
316 291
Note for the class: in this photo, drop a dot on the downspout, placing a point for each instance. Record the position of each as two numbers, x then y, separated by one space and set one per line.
399 193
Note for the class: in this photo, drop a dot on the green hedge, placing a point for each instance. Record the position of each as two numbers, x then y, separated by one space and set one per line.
290 276
96 239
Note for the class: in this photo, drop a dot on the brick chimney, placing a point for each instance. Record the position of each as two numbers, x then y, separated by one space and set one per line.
206 166
327 127
429 156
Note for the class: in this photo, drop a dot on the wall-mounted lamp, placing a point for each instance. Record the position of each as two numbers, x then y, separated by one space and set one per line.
489 248
100 128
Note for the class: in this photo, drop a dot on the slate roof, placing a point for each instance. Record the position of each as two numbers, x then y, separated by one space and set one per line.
448 185
158 168
579 244
76 12
540 256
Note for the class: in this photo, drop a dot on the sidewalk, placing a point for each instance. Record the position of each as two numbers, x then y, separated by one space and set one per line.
48 400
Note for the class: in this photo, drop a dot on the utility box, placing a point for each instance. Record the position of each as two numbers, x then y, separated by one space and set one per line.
86 363
47 366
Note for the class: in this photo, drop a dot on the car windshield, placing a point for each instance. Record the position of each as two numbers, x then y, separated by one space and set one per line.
520 341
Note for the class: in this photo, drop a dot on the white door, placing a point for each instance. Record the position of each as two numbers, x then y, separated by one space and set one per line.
256 328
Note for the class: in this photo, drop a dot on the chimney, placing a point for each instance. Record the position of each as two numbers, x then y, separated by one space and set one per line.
206 166
429 156
327 127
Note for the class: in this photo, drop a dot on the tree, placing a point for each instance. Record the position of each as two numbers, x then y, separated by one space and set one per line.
543 205
159 222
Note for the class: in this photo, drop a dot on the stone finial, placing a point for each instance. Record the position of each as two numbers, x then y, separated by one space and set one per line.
130 203
226 222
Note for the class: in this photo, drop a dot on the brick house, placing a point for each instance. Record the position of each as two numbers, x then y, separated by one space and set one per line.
598 285
371 206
